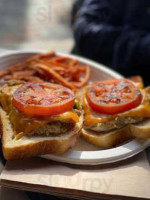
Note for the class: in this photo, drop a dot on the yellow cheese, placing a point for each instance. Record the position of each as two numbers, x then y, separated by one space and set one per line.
143 110
25 124
66 115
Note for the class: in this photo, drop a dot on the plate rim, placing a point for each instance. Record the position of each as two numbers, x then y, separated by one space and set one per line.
80 157
67 159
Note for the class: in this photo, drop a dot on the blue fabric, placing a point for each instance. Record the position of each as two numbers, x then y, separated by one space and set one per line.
116 33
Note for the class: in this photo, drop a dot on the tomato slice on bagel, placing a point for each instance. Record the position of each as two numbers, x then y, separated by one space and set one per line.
113 96
43 99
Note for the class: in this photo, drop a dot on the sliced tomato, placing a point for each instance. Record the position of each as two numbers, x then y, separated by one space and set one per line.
43 99
113 96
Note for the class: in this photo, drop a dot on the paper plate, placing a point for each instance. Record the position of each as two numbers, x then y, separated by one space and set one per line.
84 153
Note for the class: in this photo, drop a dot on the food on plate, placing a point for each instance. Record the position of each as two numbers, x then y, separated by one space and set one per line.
37 118
113 96
115 111
138 81
51 68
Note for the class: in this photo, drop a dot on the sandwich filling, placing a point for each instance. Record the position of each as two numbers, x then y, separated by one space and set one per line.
101 121
41 122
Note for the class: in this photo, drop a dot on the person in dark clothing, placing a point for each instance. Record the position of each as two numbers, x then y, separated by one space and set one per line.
115 33
75 8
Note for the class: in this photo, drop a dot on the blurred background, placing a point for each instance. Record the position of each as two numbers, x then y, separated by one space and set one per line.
36 24
113 33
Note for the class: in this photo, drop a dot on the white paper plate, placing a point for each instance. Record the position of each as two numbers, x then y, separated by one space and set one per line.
84 153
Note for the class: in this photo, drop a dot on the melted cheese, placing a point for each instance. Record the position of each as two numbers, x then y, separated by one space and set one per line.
30 124
143 110
67 115
22 123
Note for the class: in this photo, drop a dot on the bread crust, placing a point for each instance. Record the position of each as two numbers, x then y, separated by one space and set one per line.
141 130
33 146
109 139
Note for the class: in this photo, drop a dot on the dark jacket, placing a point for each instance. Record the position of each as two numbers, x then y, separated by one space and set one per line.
116 33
